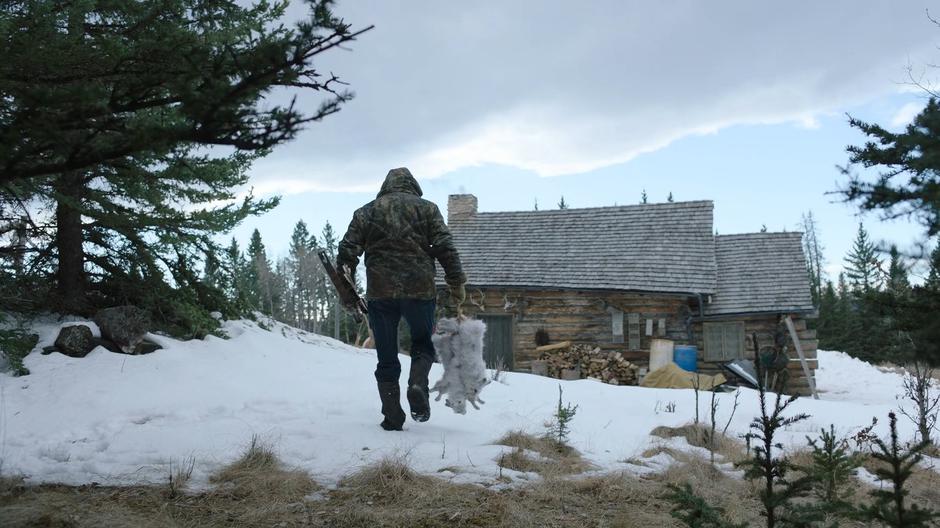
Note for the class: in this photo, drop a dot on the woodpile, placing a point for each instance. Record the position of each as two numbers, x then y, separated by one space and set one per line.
575 361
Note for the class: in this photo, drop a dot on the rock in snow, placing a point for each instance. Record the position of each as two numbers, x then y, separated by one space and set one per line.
126 326
75 341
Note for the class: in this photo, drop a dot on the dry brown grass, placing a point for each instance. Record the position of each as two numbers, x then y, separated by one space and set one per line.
259 472
737 497
730 449
389 494
180 475
658 450
553 459
254 490
609 500
390 474
923 485
10 483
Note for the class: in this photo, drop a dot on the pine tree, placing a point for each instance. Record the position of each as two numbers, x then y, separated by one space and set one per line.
833 466
933 273
643 197
562 204
897 282
862 265
777 492
890 505
813 251
284 273
669 198
558 428
304 269
87 84
848 321
909 169
693 511
829 326
536 208
236 268
263 291
213 275
257 259
106 113
894 306
906 183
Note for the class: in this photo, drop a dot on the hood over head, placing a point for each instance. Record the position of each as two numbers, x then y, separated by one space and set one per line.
400 180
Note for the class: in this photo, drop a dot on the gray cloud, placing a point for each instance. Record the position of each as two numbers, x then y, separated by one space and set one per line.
561 87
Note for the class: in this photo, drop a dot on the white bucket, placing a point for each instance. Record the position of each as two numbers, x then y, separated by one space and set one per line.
660 353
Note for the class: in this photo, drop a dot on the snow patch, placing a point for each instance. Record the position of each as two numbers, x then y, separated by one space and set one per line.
117 419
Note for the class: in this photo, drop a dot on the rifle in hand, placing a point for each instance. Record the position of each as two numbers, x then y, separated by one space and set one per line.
345 288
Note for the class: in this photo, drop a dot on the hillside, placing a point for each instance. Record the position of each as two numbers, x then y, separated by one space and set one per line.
118 419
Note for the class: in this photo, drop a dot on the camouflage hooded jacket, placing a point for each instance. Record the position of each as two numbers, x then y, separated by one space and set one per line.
401 235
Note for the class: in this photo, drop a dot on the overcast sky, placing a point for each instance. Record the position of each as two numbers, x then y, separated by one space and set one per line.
740 102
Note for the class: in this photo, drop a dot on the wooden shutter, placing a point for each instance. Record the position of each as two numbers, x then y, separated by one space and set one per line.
633 327
616 324
733 340
724 341
712 341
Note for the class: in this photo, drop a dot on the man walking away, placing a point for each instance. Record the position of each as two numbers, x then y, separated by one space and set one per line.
402 234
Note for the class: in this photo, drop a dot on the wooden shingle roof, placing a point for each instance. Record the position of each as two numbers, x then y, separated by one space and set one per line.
760 272
667 247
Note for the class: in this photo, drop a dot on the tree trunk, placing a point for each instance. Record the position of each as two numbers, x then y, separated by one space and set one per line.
69 237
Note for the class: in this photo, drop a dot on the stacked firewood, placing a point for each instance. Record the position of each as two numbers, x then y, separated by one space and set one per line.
573 361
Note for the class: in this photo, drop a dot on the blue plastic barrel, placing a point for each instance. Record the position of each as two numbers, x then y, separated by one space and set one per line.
686 356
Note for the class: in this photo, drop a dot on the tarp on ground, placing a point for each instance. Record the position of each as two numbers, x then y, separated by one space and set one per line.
674 377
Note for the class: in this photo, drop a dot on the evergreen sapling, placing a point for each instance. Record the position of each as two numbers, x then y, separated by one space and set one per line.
558 428
890 506
694 511
833 465
777 493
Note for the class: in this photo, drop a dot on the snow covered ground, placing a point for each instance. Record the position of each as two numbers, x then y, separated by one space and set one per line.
117 419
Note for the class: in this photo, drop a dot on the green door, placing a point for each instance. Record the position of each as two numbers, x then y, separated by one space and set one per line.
497 342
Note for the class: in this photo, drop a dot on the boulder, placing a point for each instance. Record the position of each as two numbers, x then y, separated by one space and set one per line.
75 341
126 326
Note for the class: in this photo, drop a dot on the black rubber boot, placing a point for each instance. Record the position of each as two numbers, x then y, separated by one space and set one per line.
390 394
418 395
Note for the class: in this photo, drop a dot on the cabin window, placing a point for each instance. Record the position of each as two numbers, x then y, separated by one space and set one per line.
724 341
616 323
633 329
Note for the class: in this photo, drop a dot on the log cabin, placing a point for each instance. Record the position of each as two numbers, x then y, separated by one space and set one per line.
618 277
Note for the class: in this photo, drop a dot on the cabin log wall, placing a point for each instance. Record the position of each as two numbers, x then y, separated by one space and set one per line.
582 317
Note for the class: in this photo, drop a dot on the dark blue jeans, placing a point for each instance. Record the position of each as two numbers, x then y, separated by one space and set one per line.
384 316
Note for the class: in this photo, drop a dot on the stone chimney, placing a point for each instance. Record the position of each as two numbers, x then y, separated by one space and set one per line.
461 207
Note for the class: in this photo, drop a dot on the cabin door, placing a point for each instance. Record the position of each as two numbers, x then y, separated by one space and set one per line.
497 342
